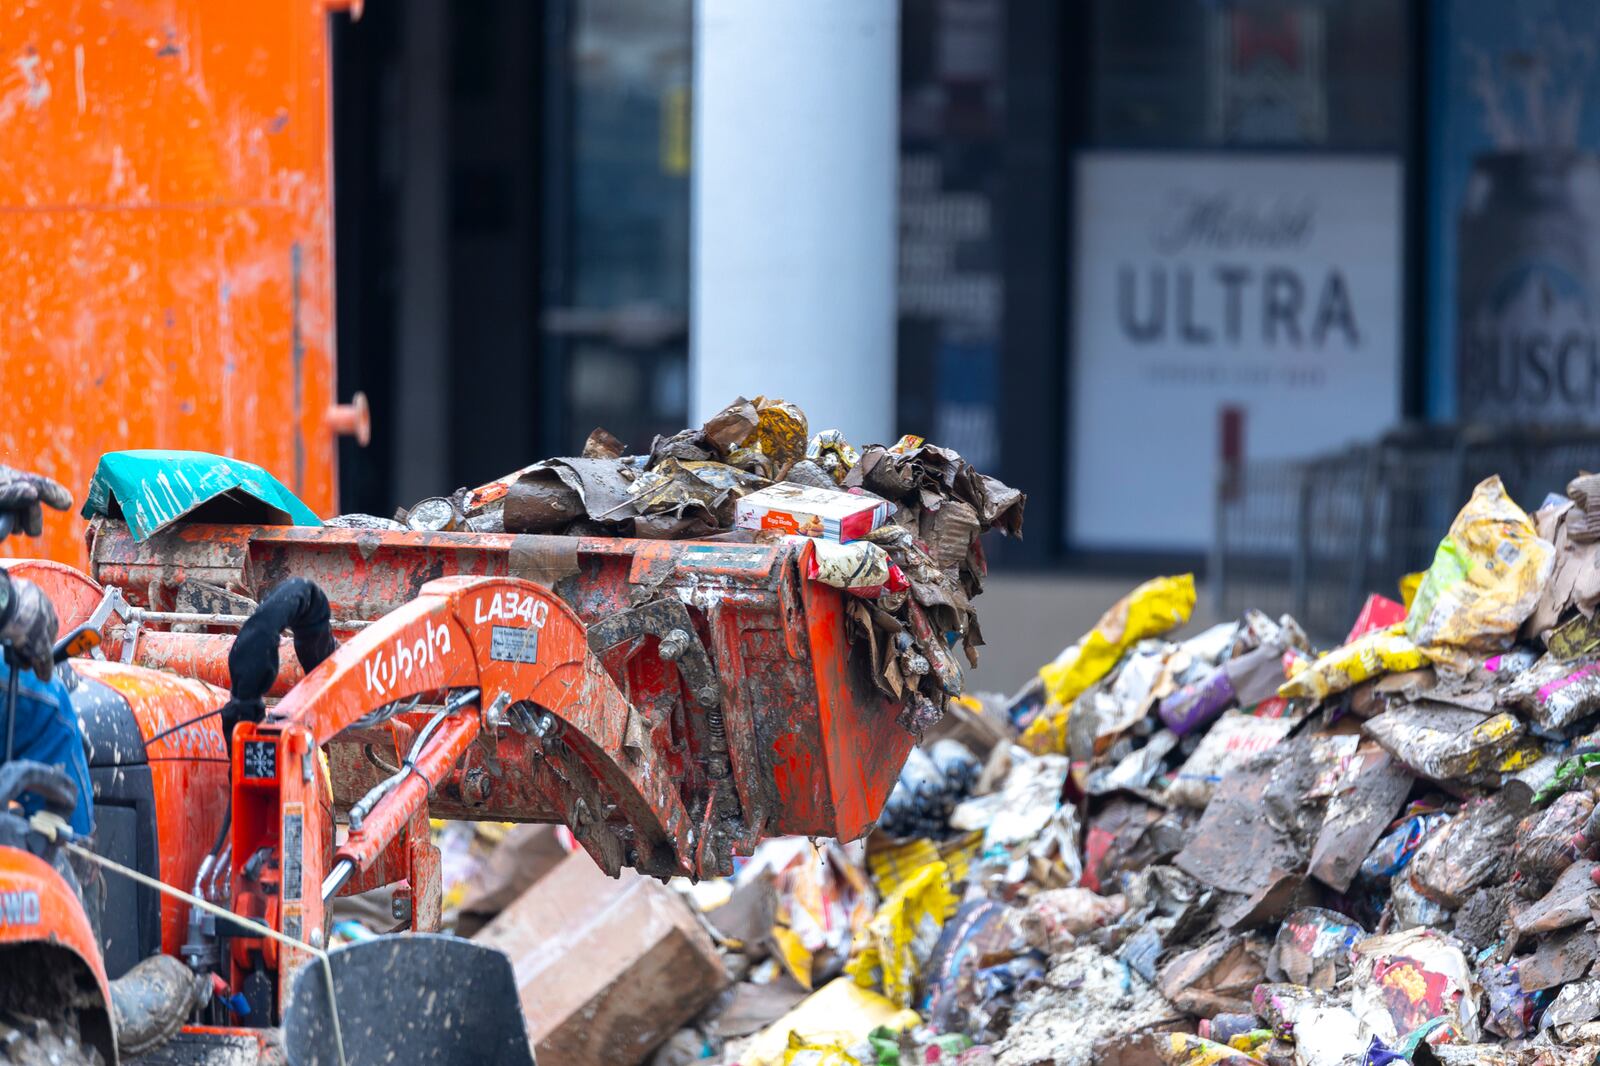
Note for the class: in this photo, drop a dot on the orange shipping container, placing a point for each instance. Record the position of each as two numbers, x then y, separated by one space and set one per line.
165 239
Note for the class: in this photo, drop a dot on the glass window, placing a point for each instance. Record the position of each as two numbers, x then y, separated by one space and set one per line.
1249 74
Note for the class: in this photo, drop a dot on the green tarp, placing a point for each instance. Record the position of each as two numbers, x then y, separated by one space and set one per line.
152 489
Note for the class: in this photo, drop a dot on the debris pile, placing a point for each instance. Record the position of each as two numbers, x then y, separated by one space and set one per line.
1214 847
897 526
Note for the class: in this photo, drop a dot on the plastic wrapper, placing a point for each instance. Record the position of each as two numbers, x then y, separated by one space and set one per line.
1245 680
838 1015
1055 919
1474 850
1448 743
1153 608
1019 812
1186 1049
1510 1010
1313 946
672 488
1412 910
983 935
1569 775
902 934
722 476
1199 703
830 451
1235 738
777 442
1114 704
730 427
1556 694
802 1052
1379 652
1406 980
823 901
859 566
1396 848
1549 841
1485 580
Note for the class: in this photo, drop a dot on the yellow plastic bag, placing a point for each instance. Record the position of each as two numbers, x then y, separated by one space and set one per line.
1381 651
802 1052
840 1012
1155 607
901 936
1484 581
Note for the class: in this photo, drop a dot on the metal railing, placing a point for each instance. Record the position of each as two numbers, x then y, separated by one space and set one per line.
1313 537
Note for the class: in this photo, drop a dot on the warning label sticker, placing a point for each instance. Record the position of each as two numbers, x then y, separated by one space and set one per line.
511 645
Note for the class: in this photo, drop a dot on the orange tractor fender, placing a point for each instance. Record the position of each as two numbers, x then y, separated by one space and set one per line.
39 909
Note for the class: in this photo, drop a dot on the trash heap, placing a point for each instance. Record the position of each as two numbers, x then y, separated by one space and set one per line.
1214 847
897 526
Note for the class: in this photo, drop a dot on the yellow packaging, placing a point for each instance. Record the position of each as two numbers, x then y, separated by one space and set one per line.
892 866
1155 607
1186 1049
1484 581
793 955
780 433
1408 588
1047 733
840 1012
833 453
1381 651
802 1053
902 934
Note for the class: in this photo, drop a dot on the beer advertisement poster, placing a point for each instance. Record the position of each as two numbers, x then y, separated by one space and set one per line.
1223 301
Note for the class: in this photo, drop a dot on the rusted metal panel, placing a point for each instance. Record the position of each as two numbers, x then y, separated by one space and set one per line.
164 206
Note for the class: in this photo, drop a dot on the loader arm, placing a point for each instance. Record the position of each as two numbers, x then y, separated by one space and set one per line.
527 657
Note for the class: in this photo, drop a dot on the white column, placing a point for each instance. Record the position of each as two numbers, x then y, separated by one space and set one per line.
793 252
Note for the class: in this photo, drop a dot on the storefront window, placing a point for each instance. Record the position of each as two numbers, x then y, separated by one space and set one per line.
1256 74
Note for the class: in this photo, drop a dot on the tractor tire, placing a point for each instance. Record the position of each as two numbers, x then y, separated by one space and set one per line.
31 1041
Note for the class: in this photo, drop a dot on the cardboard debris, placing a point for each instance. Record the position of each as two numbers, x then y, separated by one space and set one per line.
607 969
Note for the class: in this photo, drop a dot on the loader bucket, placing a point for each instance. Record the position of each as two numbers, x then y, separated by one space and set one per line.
416 997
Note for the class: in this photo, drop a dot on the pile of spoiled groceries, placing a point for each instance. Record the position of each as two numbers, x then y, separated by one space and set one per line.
1174 846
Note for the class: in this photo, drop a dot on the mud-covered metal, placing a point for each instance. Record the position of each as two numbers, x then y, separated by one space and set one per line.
812 747
672 702
165 207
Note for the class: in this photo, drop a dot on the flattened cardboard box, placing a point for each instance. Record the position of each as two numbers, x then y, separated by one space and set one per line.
606 968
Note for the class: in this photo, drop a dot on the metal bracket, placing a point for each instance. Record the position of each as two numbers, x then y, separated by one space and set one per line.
668 620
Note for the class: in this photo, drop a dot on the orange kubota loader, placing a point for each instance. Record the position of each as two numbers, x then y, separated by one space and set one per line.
671 702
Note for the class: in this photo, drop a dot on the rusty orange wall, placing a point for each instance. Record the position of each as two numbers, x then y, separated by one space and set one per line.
165 238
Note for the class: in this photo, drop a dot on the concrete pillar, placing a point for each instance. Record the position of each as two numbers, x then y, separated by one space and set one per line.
793 251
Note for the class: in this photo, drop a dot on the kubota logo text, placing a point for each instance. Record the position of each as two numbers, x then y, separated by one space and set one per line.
386 669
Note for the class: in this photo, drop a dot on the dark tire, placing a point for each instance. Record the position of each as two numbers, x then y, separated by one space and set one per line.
31 1041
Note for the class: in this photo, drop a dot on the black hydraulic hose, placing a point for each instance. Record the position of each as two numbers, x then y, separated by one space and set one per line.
297 605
